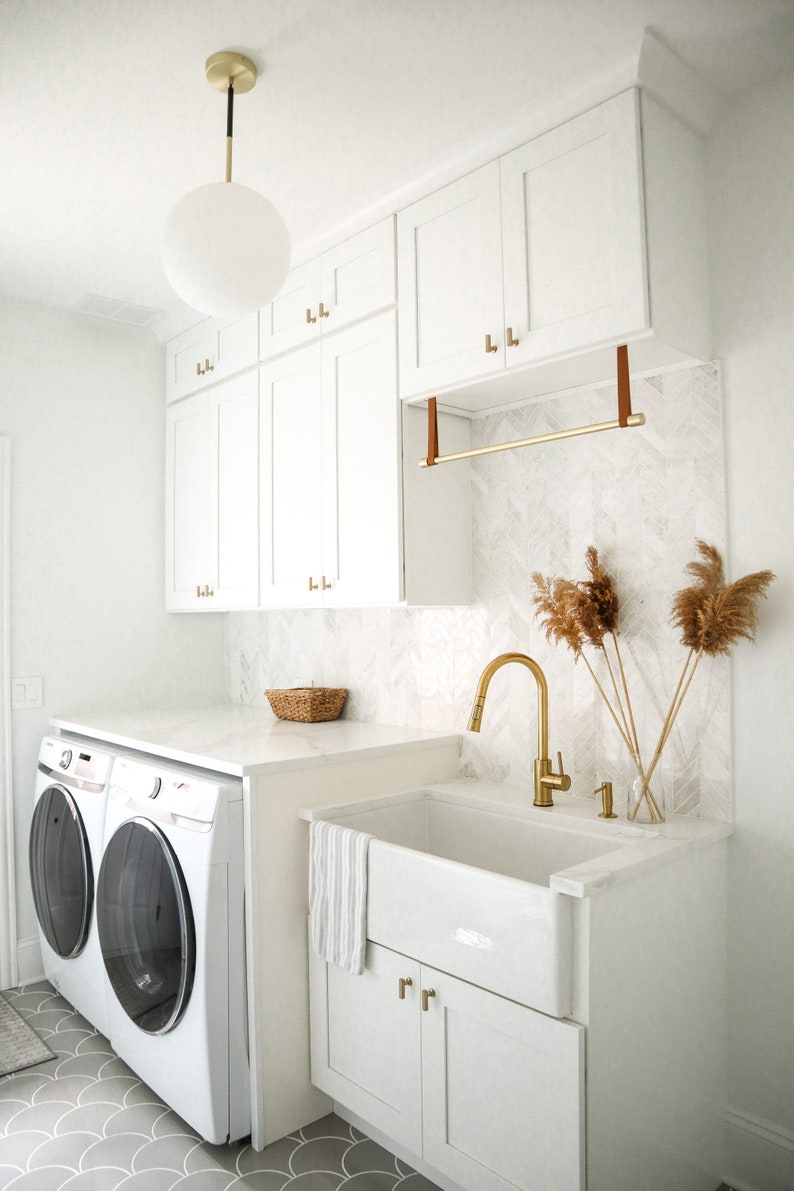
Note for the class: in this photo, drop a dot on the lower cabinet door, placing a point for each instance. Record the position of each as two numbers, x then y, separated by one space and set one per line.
502 1091
365 1044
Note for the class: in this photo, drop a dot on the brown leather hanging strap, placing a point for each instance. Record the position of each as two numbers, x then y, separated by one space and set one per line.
624 386
432 432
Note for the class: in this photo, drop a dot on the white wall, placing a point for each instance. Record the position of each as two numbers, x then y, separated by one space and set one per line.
752 244
82 401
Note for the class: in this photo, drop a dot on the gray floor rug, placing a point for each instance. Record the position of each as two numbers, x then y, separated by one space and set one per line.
20 1046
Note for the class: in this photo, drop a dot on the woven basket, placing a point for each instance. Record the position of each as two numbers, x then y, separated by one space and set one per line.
308 705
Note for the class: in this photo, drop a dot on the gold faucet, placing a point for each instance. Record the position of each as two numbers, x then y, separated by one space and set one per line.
545 779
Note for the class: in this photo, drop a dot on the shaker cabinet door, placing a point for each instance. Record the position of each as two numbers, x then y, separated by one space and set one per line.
573 235
502 1091
449 267
365 1041
291 487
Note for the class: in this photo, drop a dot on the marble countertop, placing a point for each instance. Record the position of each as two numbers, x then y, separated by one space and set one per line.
242 741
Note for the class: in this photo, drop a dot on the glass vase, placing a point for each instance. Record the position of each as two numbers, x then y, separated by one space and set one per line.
645 794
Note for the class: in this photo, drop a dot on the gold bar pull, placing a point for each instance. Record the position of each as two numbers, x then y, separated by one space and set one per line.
323 312
490 347
199 592
207 591
208 367
310 318
199 369
312 586
326 586
511 341
404 983
427 993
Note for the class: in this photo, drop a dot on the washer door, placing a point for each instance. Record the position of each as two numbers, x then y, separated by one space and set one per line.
61 872
146 926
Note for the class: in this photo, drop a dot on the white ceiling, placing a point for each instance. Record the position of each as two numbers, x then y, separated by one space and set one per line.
106 119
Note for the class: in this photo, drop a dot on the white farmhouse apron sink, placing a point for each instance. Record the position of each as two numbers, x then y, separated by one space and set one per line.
464 884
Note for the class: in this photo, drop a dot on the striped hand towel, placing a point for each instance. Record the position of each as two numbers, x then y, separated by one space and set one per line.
338 894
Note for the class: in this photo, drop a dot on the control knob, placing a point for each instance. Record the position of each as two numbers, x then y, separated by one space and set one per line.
66 759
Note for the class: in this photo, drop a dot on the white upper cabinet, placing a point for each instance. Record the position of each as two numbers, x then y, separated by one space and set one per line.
330 471
213 350
344 284
572 235
211 499
449 267
522 277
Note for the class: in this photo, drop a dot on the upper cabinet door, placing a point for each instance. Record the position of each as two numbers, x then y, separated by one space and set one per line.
213 350
187 554
234 486
290 320
573 235
449 269
291 486
348 282
357 277
361 465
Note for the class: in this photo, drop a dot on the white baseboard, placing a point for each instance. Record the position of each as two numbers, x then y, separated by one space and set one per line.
29 961
759 1154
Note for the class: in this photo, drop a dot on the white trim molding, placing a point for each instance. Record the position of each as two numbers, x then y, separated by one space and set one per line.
759 1153
8 929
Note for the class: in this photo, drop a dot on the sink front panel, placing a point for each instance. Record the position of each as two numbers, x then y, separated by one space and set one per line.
509 936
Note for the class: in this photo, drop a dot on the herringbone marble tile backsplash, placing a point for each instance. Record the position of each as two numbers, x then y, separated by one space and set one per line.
642 497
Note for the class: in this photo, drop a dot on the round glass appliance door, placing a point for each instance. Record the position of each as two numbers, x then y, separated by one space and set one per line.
146 926
61 873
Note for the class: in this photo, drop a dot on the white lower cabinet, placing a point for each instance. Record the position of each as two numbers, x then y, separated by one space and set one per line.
485 1091
211 498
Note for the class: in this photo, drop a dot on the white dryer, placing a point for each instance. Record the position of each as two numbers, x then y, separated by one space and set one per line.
65 849
171 929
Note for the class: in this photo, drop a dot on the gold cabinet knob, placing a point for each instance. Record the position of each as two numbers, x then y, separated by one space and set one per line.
511 340
312 585
323 312
490 347
407 982
427 993
326 586
310 318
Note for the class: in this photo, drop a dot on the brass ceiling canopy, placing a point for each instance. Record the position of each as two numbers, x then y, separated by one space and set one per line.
227 68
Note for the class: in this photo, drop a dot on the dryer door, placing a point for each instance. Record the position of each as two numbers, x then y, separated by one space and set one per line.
146 926
60 871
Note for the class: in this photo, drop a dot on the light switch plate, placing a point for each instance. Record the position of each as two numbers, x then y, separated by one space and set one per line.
26 692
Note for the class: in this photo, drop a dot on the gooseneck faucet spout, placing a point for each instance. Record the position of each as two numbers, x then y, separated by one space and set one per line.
545 779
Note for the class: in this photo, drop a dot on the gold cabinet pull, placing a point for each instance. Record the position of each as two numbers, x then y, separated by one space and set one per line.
208 367
490 347
511 341
310 318
199 592
207 591
326 586
199 369
323 312
427 993
312 585
407 982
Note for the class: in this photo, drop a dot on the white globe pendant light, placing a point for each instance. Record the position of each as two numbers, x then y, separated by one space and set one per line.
226 249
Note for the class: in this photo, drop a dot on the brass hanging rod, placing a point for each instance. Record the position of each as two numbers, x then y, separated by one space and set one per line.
625 418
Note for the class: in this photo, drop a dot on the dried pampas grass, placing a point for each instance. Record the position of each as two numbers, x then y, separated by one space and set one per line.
711 615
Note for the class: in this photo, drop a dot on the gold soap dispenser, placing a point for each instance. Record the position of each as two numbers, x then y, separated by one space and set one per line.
605 790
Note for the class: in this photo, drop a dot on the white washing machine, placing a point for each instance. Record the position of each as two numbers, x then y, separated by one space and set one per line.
65 850
171 928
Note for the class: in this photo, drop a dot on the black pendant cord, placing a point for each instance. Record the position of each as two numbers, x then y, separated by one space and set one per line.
229 128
